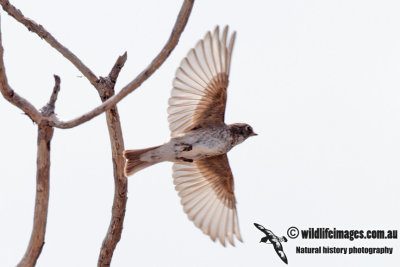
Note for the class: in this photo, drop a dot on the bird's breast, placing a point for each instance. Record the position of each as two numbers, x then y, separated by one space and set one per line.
201 144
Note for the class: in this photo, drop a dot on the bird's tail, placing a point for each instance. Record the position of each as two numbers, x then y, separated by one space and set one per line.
134 162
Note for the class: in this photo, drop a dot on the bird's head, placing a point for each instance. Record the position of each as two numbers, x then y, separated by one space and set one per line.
241 131
264 239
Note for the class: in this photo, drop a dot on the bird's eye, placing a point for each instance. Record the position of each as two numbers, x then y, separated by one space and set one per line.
249 129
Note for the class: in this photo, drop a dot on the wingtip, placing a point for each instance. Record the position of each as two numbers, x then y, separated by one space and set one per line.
208 36
226 28
222 241
216 29
233 36
257 225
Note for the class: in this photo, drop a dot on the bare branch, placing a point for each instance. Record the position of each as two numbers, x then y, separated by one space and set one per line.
143 76
48 109
120 181
46 122
120 191
119 64
11 95
105 86
45 133
41 31
56 89
177 30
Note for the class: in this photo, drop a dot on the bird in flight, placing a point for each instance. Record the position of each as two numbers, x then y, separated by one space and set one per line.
274 240
200 138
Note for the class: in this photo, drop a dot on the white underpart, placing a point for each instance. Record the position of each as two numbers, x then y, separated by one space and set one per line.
205 143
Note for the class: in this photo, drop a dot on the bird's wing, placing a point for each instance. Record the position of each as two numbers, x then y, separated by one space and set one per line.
198 97
206 190
279 250
266 231
261 228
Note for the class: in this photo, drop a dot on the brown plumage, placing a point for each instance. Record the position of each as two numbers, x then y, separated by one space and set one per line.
198 98
134 164
200 138
206 191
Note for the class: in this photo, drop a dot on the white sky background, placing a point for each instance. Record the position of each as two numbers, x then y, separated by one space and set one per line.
317 80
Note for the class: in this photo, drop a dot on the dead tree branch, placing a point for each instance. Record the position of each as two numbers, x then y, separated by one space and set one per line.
44 34
46 121
11 95
143 76
120 181
45 134
48 109
177 30
116 69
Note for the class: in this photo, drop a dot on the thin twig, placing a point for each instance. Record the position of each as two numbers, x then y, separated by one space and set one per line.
48 109
11 95
119 64
143 76
56 89
44 34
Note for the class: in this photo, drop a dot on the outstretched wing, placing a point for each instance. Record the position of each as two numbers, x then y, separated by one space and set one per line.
206 190
198 97
279 250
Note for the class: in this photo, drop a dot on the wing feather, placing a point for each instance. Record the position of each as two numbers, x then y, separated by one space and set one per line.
206 190
200 84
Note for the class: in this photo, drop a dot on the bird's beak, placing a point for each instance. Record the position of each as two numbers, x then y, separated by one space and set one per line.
253 134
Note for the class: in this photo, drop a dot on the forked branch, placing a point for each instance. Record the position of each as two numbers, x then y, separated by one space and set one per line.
179 26
46 121
120 181
177 30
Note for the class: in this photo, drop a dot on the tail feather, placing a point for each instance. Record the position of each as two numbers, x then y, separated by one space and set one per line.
134 163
